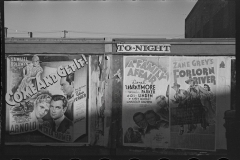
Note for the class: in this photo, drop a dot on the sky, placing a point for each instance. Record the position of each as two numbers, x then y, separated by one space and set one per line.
97 19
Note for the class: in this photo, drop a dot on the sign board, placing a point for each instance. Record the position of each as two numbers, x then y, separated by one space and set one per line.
143 48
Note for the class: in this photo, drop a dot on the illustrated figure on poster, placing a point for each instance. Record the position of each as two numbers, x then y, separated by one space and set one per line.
194 99
132 134
208 102
36 107
154 121
180 97
156 129
162 107
30 72
21 112
140 121
67 86
57 109
42 107
146 122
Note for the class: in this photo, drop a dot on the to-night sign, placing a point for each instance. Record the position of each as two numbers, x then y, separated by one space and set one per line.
156 48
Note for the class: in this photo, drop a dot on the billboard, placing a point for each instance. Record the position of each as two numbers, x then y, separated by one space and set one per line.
47 99
175 102
145 111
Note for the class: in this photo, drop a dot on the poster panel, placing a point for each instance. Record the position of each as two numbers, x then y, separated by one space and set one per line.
145 112
46 99
233 84
99 81
193 85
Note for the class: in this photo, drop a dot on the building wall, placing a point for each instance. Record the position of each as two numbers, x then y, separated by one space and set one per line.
211 19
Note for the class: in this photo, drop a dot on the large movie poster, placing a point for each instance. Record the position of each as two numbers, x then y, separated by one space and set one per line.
193 85
47 98
145 111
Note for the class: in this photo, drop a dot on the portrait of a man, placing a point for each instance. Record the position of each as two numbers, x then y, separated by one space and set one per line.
57 109
67 86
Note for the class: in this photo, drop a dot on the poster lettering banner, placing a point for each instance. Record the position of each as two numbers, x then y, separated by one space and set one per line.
145 112
47 99
193 85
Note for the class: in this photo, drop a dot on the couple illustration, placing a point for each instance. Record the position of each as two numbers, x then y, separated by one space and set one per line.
49 111
58 109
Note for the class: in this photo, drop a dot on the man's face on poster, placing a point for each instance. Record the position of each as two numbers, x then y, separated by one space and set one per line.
191 83
42 109
151 119
206 88
56 109
66 87
175 88
140 121
161 102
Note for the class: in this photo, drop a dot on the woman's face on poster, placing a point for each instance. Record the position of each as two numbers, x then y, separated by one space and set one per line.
42 109
206 88
36 63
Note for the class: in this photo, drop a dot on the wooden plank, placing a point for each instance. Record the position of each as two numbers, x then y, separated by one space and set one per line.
53 48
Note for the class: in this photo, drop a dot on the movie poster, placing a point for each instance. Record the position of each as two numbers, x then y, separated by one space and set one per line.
193 85
47 95
145 110
233 84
